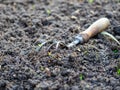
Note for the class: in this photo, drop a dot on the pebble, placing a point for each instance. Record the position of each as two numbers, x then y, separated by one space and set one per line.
73 17
74 88
66 87
43 85
47 85
117 37
2 83
114 81
33 82
116 30
117 88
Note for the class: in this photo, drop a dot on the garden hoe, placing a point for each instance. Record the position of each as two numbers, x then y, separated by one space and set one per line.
97 27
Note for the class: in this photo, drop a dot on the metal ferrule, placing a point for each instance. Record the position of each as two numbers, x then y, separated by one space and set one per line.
78 39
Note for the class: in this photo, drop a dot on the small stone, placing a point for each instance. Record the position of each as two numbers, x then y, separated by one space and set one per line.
117 88
117 37
73 17
55 72
35 20
113 81
44 85
108 88
66 87
85 85
76 12
116 30
14 87
12 38
48 72
33 82
55 86
65 72
74 88
97 88
109 14
2 83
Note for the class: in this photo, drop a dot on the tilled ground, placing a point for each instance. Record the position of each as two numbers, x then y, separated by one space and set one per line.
25 24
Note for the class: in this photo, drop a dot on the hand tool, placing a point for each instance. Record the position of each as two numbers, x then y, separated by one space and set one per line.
97 27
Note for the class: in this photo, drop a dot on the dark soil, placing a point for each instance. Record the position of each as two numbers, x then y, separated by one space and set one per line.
25 24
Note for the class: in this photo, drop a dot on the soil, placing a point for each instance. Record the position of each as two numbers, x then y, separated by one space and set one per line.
25 24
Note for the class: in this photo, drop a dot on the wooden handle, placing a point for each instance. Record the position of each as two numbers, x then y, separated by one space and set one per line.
97 27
